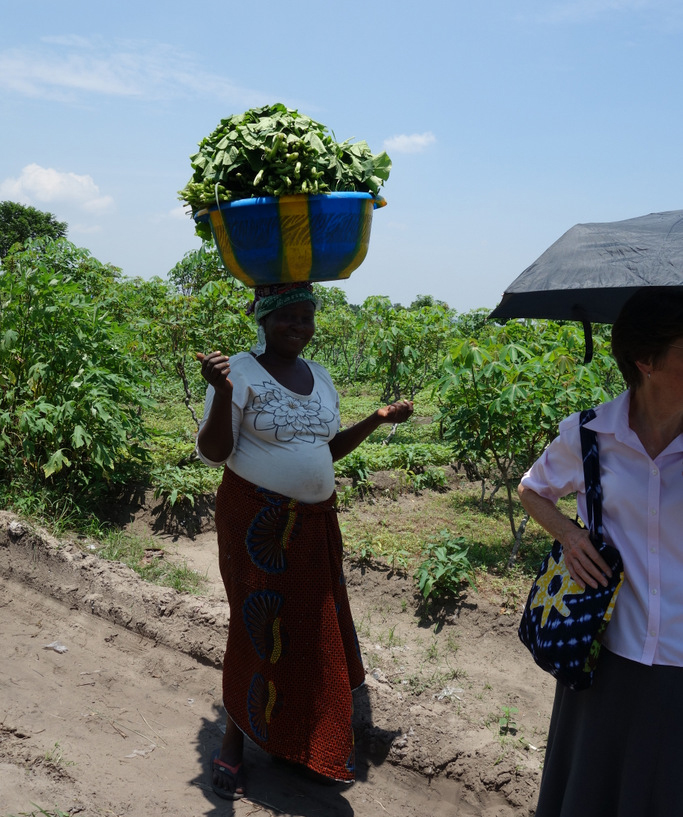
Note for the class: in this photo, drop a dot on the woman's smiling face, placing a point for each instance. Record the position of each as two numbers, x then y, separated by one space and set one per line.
289 329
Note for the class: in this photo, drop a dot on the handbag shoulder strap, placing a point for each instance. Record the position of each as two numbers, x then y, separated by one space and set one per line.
591 473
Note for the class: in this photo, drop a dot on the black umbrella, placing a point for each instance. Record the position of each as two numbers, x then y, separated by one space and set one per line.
590 272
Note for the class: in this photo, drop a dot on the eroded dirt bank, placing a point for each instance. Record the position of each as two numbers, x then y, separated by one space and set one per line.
123 722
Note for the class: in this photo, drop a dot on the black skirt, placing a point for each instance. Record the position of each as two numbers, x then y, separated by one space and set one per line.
614 750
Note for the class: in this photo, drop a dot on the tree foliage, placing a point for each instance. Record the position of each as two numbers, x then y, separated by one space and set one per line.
503 395
70 400
393 349
196 269
20 223
406 345
92 363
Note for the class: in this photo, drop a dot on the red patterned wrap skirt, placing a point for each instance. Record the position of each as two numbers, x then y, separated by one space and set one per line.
292 657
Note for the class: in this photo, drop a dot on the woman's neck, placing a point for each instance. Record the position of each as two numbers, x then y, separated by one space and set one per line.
655 423
276 359
291 372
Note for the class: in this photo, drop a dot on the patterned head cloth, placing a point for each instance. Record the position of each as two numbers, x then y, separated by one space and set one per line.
269 298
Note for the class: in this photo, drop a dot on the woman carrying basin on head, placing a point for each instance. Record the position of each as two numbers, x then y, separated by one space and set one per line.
292 657
613 749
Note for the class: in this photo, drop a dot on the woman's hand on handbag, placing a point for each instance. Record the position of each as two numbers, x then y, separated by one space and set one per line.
584 563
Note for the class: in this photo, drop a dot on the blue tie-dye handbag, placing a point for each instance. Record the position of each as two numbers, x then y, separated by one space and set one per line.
563 624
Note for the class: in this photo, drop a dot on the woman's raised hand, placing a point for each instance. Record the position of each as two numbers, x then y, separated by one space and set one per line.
215 370
397 412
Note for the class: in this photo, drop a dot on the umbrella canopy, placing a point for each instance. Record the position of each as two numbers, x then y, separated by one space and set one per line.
590 272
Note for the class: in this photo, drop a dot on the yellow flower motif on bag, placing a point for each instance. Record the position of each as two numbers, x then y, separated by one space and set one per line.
547 600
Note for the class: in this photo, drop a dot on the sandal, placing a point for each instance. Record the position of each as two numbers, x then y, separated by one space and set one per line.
234 776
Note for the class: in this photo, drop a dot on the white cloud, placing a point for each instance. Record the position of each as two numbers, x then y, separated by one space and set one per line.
413 143
45 185
37 74
67 68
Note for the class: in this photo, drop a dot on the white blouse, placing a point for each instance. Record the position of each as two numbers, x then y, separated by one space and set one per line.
642 517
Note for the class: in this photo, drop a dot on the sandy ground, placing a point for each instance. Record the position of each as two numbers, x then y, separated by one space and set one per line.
124 719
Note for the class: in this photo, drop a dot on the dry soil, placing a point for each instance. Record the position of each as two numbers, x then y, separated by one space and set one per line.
110 692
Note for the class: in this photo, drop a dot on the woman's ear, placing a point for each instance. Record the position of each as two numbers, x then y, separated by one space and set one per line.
644 368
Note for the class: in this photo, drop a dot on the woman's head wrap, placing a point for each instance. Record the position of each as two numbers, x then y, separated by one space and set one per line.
273 296
269 298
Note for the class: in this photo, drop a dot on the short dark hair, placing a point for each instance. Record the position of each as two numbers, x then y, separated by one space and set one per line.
647 324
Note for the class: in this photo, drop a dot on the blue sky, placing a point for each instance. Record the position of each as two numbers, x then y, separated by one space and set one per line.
507 122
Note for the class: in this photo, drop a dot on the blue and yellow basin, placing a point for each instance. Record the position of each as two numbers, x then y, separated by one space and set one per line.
271 240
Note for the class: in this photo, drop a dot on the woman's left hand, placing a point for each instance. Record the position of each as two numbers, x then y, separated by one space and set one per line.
345 441
397 412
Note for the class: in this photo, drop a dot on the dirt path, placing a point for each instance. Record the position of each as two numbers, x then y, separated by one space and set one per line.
124 721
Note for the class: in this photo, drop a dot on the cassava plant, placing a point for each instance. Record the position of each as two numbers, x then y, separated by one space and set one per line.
503 395
70 398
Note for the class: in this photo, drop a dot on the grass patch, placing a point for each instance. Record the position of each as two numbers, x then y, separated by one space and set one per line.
391 530
143 556
55 756
169 413
60 513
356 405
425 680
397 532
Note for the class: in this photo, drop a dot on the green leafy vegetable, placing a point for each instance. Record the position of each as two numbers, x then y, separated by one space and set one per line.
275 151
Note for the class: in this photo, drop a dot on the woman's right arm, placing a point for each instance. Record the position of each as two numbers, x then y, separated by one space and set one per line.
585 564
215 438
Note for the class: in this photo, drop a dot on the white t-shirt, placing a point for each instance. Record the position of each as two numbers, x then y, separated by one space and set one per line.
280 437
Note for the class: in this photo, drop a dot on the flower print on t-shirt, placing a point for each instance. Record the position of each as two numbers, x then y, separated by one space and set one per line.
289 416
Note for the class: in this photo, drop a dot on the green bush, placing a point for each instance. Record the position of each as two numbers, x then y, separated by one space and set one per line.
445 567
503 396
176 484
70 397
